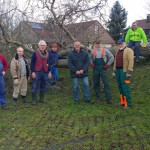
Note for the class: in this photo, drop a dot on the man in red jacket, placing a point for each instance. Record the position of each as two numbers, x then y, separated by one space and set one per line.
3 68
40 71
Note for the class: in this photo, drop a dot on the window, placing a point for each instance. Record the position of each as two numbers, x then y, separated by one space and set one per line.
96 29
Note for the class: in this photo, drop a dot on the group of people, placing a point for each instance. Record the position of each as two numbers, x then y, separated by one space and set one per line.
44 66
100 59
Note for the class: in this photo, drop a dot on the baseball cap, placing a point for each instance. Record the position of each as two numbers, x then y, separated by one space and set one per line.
120 41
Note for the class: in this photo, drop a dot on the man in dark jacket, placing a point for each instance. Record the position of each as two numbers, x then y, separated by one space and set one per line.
78 61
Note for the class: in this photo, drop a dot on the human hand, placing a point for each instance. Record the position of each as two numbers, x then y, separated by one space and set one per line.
105 66
92 65
143 45
114 75
77 72
16 82
33 75
81 71
128 74
3 73
50 75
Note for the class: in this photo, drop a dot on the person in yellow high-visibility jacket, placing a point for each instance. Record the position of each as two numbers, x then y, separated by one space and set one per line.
134 37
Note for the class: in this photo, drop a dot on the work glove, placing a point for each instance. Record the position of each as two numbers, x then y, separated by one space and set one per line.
143 45
92 65
128 74
3 73
16 81
105 66
114 75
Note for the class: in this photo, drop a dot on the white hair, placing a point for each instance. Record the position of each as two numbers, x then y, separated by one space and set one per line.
42 42
18 48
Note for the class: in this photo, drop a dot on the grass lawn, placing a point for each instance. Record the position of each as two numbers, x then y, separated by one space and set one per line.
60 124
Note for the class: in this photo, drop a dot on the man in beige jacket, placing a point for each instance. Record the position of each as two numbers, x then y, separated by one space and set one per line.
123 67
20 73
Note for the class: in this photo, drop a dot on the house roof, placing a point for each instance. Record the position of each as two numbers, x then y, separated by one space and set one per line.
48 32
143 24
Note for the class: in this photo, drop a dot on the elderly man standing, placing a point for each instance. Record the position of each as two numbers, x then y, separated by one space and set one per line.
100 60
20 73
134 37
3 69
123 67
40 71
78 61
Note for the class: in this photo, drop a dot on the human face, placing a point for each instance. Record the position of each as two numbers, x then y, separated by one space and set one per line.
20 51
42 47
77 46
121 45
54 49
97 46
134 26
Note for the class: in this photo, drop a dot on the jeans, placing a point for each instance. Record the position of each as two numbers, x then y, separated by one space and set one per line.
40 80
86 88
2 92
54 72
136 45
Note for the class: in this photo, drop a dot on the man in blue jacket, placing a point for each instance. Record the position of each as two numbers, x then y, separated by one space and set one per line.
78 61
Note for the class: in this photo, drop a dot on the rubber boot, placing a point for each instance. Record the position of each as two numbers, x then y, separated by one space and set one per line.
33 102
24 99
42 98
15 101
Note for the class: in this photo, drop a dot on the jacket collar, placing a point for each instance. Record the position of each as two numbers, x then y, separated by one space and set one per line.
17 57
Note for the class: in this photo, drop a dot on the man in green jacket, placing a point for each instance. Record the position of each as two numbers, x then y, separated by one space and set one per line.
134 37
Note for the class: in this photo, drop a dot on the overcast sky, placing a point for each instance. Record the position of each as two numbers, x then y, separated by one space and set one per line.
136 9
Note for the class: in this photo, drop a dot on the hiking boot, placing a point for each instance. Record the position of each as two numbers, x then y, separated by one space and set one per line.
76 101
89 101
98 101
120 105
15 101
24 99
110 102
126 107
4 107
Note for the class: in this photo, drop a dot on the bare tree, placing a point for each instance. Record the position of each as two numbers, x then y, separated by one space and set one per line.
69 12
61 12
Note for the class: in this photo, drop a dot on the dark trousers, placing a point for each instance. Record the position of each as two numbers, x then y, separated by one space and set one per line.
136 45
40 80
99 72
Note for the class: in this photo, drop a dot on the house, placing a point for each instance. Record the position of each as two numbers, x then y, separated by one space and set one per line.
145 24
86 32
